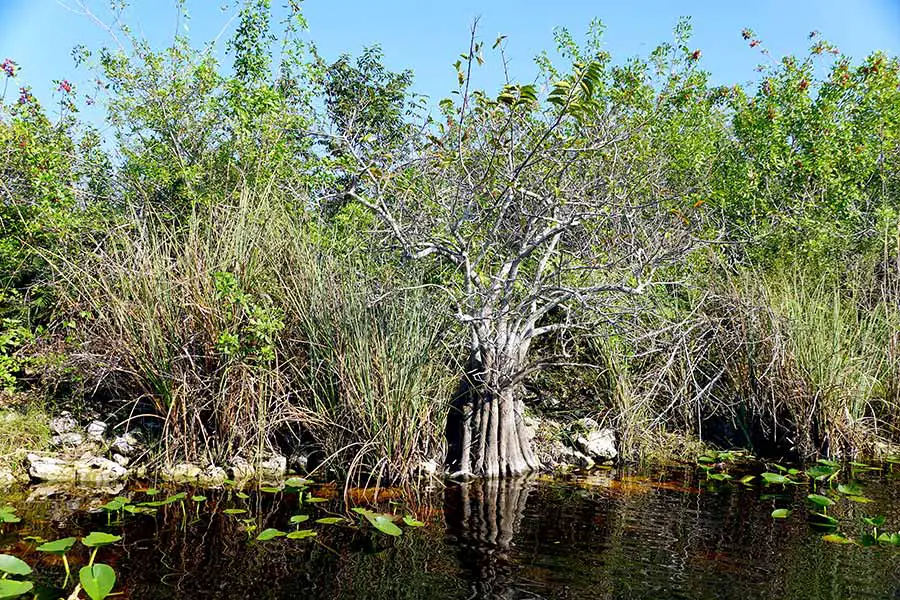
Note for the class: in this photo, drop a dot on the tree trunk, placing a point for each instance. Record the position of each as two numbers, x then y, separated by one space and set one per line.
486 434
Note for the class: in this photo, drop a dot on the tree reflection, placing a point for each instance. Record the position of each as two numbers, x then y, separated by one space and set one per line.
483 519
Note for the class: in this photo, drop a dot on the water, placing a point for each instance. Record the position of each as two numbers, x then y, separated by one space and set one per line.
669 534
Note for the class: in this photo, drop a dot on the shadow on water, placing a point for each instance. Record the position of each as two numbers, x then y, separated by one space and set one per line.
607 536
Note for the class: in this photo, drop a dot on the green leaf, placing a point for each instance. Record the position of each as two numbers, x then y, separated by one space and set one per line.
874 521
383 523
14 589
825 519
299 519
241 495
314 500
330 520
781 513
302 534
97 581
198 498
850 489
58 547
836 538
775 478
747 478
13 566
297 482
820 500
820 472
234 511
97 539
269 534
269 489
412 522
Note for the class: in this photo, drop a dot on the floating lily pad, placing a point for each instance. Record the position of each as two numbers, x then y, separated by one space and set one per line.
58 547
330 520
97 539
302 534
299 519
819 500
297 482
97 581
13 566
775 478
269 534
850 489
234 511
14 589
781 513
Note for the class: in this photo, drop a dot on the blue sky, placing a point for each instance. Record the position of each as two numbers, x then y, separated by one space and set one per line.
427 36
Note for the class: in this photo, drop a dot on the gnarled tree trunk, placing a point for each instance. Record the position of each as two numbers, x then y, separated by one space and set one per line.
486 433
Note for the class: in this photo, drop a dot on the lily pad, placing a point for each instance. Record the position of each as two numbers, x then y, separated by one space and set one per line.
296 519
297 482
850 489
775 478
781 513
819 500
97 539
234 511
269 534
13 566
97 581
302 534
58 547
412 522
14 589
330 520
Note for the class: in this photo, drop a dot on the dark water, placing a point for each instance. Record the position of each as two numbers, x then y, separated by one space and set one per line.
612 535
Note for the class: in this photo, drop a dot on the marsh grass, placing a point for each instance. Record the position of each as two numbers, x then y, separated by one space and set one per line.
236 329
24 427
789 362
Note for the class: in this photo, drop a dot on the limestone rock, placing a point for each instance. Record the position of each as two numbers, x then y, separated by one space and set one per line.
96 431
93 469
182 473
273 468
241 470
71 439
127 444
64 423
592 441
212 476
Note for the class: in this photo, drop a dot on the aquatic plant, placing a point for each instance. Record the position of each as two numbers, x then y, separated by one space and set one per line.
12 566
97 580
60 548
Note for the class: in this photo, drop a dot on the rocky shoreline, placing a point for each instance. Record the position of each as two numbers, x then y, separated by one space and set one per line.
92 454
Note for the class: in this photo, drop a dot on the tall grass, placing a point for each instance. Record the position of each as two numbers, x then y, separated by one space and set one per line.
235 330
789 362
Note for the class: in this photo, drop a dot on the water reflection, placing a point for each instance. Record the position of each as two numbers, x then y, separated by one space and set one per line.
483 519
610 536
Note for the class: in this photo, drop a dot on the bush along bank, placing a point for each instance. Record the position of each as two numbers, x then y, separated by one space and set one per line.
288 277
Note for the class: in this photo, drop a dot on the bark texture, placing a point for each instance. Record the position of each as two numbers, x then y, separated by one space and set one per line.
486 433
